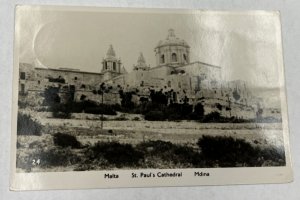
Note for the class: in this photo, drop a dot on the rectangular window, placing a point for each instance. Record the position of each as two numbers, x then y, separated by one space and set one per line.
22 89
22 75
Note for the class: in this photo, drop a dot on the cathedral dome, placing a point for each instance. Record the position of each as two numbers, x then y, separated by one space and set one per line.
172 40
172 51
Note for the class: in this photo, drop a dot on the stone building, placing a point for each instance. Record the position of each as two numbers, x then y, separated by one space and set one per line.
34 80
190 81
193 81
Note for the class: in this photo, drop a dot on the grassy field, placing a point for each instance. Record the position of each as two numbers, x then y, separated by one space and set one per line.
134 131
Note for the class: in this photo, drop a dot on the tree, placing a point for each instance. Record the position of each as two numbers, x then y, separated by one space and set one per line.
158 97
198 111
51 96
126 101
103 89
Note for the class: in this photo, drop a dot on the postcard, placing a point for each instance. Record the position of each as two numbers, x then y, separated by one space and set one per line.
123 97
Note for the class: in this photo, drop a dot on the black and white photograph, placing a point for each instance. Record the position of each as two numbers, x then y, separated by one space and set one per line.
135 89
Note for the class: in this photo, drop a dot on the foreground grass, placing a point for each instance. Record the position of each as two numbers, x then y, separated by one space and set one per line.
63 152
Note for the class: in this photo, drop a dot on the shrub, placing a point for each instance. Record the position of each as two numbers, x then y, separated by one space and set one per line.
274 154
51 96
136 119
185 154
100 110
212 117
155 147
65 140
219 106
126 99
49 157
61 115
22 104
173 112
155 116
227 151
115 153
57 157
167 151
28 126
177 111
62 111
121 118
92 108
198 112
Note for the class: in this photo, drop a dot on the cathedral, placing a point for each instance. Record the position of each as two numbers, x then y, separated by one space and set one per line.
191 81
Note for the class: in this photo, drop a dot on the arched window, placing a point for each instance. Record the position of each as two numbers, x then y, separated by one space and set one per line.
184 58
179 84
174 57
162 59
105 65
75 78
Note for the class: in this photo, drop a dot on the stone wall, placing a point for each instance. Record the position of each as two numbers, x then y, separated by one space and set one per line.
108 98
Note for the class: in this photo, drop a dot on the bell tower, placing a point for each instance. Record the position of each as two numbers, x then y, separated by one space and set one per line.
111 65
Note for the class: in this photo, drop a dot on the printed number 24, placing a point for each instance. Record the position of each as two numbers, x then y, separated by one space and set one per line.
36 162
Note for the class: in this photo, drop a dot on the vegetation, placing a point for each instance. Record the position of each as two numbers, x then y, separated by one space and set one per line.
169 152
229 152
126 102
219 151
155 115
115 153
28 126
159 106
66 140
22 104
57 157
63 105
216 117
51 96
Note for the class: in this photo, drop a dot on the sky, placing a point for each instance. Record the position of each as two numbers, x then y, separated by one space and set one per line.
244 45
